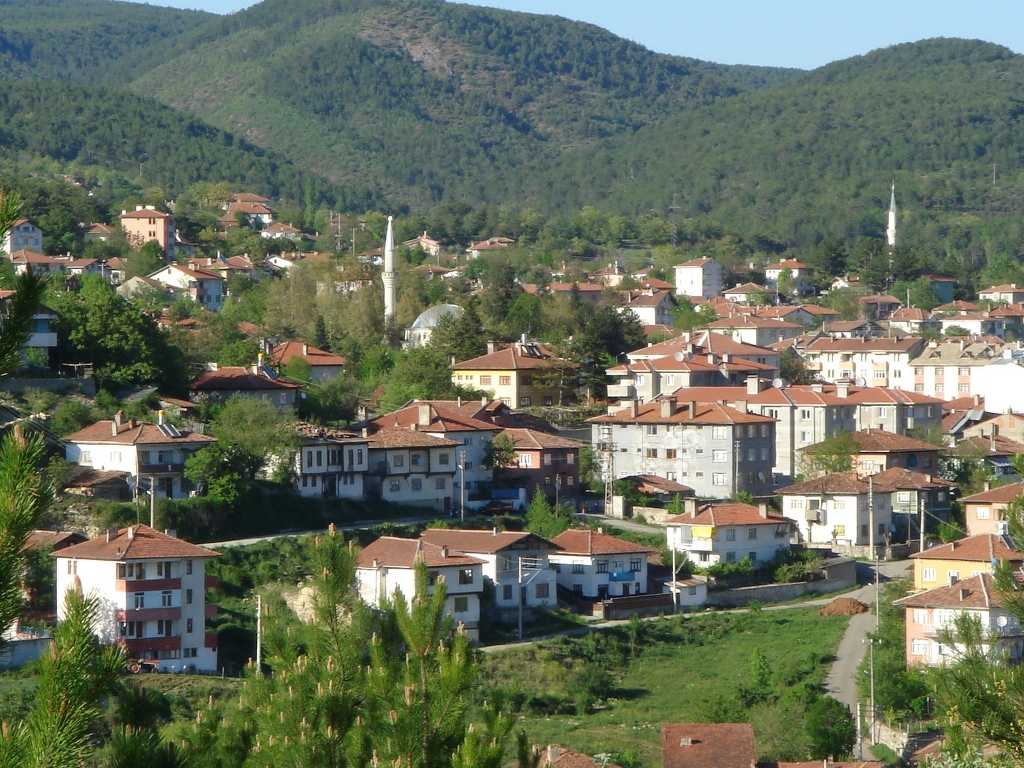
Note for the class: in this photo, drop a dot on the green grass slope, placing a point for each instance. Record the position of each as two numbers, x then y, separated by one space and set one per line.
428 100
82 127
99 42
814 156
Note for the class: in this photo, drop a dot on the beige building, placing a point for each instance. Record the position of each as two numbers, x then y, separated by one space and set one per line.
520 375
950 369
949 563
984 512
146 223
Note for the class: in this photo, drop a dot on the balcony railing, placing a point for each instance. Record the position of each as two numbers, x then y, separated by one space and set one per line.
147 585
148 614
169 468
137 645
210 640
210 610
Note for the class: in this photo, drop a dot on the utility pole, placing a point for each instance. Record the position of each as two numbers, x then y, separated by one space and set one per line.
259 633
871 515
152 501
675 582
462 486
920 505
519 594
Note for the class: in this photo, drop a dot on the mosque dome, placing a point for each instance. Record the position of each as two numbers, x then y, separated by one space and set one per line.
432 316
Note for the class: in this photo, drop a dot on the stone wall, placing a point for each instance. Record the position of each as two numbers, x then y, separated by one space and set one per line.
840 574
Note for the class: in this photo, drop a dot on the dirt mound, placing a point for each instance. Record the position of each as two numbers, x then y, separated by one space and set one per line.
843 606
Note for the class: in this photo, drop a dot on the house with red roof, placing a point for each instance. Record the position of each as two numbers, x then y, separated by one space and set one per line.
146 223
23 236
151 590
931 613
1010 293
544 462
746 293
152 455
597 566
708 745
388 565
323 366
330 463
984 511
756 330
39 264
798 272
652 307
406 466
281 231
728 532
203 286
521 374
949 563
879 450
219 383
490 244
833 511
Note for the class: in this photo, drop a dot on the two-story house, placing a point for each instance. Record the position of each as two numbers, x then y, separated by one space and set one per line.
834 510
23 236
699 277
756 330
153 454
387 566
650 306
1009 293
718 450
948 563
879 450
410 467
37 263
544 462
913 496
984 511
521 375
202 286
324 366
728 533
516 563
330 463
799 274
146 223
41 337
219 383
930 613
151 595
596 566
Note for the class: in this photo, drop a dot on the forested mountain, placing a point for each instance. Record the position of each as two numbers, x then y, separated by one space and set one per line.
85 129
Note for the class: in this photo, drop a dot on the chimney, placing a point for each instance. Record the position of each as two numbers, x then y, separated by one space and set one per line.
483 401
492 347
160 417
753 384
843 389
365 432
693 408
458 401
977 400
690 507
668 408
131 532
376 563
988 486
712 359
632 409
600 530
111 534
685 741
762 509
817 387
305 349
119 418
113 427
444 551
740 405
494 531
451 360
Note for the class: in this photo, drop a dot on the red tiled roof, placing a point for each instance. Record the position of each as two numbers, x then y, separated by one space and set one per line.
879 441
708 745
655 484
1004 494
974 592
137 542
52 540
753 321
485 541
703 413
31 257
407 438
903 479
694 263
284 353
729 514
513 358
248 197
559 757
984 547
146 213
527 439
702 343
439 418
393 552
973 446
835 483
133 433
787 264
236 378
579 542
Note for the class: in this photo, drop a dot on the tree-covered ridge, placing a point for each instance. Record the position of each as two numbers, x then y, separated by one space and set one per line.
88 41
89 127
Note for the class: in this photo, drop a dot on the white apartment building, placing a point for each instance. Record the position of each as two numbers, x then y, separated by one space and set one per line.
833 511
728 533
701 278
878 362
798 271
953 368
596 566
152 454
756 330
23 236
387 566
151 593
516 563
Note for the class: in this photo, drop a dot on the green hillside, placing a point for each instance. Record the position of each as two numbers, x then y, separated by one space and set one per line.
99 42
428 100
86 128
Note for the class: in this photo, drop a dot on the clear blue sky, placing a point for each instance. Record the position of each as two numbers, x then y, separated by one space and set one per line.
788 33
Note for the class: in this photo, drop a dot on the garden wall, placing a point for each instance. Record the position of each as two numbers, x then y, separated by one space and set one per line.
840 574
61 386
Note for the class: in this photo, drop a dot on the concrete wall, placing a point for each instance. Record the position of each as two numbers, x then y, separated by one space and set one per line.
841 574
24 650
637 605
61 386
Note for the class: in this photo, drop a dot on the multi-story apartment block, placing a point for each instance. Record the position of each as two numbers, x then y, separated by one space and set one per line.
756 330
728 533
410 467
715 449
951 369
701 278
521 375
706 343
834 511
151 594
23 236
146 223
878 362
331 463
646 380
516 563
388 565
151 454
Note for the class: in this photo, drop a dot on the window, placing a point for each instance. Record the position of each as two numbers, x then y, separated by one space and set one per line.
543 590
839 505
983 513
652 453
928 574
416 484
577 567
163 627
461 605
140 600
751 533
954 576
506 592
718 433
730 557
691 590
730 534
163 570
864 530
651 429
525 460
86 458
466 576
751 454
963 388
903 497
188 626
919 387
444 459
441 483
319 458
165 599
918 647
717 478
485 381
394 486
879 373
751 430
920 615
546 459
525 402
805 414
752 557
398 460
504 381
963 371
188 567
602 566
719 455
636 564
938 386
919 371
547 400
416 460
188 597
570 480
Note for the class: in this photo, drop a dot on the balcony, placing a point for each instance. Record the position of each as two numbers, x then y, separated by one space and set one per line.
211 582
161 469
148 614
210 611
621 391
41 339
210 640
147 585
138 645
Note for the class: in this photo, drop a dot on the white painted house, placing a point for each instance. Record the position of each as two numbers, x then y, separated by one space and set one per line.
23 235
388 566
156 453
204 287
330 463
728 533
833 510
701 278
151 593
595 565
516 563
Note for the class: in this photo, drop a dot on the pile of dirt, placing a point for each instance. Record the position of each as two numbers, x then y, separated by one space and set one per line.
843 606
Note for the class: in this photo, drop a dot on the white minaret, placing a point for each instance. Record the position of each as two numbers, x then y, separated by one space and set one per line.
388 276
890 231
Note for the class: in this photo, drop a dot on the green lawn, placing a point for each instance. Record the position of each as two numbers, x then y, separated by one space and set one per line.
685 670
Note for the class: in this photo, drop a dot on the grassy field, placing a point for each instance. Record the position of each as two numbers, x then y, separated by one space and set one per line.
683 671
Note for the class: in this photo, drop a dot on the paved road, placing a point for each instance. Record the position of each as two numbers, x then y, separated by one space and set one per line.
362 525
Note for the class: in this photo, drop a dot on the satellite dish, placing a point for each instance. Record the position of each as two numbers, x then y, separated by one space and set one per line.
778 383
1002 621
861 381
678 357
